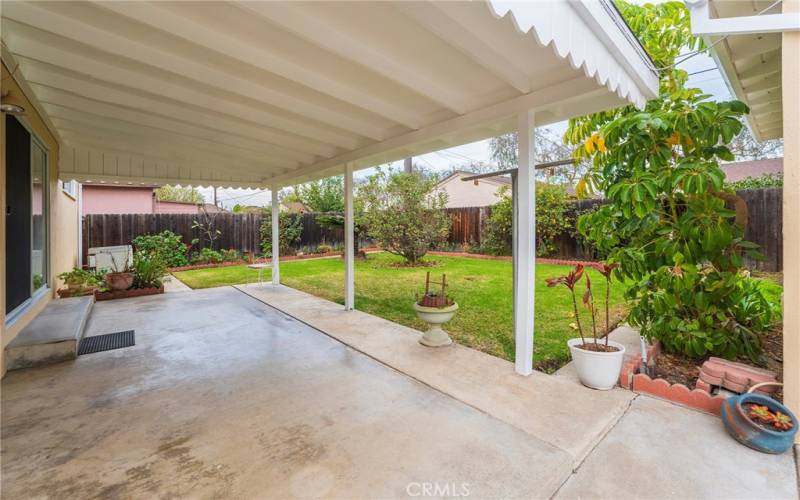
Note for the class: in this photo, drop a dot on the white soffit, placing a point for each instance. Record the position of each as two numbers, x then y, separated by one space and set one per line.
751 66
275 93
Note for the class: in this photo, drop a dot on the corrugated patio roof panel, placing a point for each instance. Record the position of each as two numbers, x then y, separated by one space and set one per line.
275 93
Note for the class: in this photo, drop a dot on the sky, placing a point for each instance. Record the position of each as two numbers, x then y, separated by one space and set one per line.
703 74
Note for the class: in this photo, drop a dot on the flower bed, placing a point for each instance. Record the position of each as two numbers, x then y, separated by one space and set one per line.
631 379
124 294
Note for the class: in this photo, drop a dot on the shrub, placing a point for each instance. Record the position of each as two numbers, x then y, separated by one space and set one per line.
83 277
207 256
149 269
403 214
669 229
552 220
231 255
498 234
765 181
167 244
324 248
291 228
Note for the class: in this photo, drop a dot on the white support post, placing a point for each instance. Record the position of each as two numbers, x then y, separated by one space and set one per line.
349 240
525 246
276 237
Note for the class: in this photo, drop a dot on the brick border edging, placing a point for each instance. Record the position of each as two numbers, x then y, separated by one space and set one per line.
124 294
631 379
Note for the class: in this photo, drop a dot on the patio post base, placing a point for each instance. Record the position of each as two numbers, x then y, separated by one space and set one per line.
435 337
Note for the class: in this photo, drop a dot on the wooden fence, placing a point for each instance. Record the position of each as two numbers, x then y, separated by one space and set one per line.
241 231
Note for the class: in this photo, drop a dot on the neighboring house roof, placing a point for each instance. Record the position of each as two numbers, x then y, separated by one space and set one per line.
459 174
741 170
294 206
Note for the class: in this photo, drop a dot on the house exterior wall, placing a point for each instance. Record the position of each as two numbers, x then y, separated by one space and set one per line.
791 214
63 213
467 194
174 207
104 199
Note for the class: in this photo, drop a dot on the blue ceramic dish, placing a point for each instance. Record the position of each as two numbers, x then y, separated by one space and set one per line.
742 429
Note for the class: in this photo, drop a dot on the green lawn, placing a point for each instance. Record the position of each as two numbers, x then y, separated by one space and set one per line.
482 289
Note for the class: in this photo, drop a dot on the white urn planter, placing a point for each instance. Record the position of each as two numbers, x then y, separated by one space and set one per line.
597 369
435 317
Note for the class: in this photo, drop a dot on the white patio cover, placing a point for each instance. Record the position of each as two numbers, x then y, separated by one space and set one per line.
256 94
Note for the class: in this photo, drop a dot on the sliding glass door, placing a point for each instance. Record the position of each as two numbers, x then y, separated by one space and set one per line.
26 215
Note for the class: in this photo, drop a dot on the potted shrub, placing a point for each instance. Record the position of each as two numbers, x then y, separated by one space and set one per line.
597 361
120 278
435 309
759 422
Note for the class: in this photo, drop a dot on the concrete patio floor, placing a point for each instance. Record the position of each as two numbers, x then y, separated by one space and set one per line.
225 396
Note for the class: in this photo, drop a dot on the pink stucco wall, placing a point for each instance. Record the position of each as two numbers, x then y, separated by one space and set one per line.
117 200
174 207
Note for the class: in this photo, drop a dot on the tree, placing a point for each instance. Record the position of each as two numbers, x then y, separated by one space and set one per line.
745 147
324 195
183 194
403 213
667 225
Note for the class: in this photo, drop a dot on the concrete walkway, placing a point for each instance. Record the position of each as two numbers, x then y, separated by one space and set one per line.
485 382
622 445
224 396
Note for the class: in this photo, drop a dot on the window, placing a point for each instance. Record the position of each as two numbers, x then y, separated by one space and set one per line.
70 187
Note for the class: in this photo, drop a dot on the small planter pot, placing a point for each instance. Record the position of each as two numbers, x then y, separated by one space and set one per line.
751 434
597 370
119 281
435 317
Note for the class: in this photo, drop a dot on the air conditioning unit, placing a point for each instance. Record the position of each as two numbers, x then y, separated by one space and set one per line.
116 257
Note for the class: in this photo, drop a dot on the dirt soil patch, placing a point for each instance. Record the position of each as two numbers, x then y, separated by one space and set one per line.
678 369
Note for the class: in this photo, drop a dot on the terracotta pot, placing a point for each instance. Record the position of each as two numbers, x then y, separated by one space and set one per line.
119 281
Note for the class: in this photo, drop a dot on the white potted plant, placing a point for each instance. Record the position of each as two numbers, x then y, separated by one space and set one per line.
435 309
597 361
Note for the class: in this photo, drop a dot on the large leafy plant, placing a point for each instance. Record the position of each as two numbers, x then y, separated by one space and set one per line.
667 224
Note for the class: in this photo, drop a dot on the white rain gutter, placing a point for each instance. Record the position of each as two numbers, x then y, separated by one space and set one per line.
704 25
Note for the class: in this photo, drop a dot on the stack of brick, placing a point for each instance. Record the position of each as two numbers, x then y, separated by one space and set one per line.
733 376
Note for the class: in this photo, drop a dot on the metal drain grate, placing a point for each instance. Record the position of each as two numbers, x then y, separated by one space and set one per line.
106 342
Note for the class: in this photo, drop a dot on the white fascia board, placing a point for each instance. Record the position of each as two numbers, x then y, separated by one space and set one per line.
607 24
721 56
704 25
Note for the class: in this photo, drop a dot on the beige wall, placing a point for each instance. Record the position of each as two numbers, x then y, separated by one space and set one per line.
468 194
63 244
791 214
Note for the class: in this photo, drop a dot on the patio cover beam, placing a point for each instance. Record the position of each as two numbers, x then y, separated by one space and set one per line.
524 245
349 240
276 237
